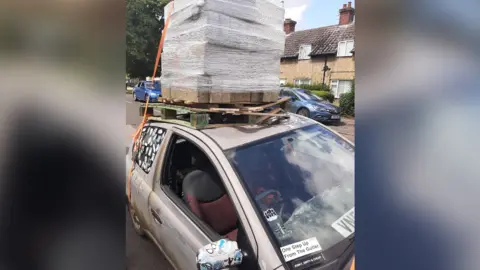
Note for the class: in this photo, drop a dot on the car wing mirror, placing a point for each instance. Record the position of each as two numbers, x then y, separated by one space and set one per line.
223 254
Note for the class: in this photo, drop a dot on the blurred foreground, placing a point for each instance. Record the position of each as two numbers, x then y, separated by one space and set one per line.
61 135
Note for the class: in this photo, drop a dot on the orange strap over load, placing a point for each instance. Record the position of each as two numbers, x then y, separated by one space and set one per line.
144 120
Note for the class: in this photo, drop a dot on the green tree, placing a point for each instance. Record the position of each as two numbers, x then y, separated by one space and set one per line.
144 27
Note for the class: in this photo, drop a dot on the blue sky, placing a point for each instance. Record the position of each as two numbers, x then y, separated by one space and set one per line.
313 13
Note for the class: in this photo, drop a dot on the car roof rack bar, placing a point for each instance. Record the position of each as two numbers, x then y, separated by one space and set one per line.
204 116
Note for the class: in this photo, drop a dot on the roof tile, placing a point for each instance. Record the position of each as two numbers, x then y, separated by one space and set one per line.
324 40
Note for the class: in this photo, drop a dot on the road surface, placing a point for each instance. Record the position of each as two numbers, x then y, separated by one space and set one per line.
142 254
132 115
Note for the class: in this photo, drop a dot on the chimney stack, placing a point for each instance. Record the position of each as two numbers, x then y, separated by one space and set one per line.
289 26
346 14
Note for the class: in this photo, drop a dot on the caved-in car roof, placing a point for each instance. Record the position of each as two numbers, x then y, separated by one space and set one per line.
230 137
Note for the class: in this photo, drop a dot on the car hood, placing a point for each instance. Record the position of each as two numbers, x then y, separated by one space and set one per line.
325 105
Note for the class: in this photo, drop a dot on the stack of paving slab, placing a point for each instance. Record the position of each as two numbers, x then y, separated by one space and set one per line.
223 51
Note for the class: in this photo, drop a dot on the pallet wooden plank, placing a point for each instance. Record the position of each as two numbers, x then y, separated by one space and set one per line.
179 109
224 125
266 117
250 107
269 114
199 120
168 114
230 110
217 109
266 106
202 116
173 121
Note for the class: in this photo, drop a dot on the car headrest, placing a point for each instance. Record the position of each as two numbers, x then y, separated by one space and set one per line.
202 187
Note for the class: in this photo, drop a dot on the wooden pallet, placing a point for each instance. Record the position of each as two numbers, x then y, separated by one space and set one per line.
222 97
201 116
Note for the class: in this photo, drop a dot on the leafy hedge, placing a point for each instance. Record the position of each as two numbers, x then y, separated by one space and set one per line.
321 90
347 102
325 94
313 87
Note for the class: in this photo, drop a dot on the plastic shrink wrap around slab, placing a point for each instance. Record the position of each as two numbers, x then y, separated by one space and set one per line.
223 51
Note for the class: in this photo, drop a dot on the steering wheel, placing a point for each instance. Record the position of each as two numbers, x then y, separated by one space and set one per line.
260 199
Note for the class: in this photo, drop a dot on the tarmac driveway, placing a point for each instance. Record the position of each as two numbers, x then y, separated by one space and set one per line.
346 128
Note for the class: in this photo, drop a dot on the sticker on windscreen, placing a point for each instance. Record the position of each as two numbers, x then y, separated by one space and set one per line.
345 225
312 260
270 215
300 249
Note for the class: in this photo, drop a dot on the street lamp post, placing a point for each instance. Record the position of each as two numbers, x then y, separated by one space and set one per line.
325 69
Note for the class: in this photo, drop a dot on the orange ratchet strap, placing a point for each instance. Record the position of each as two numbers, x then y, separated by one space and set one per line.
144 120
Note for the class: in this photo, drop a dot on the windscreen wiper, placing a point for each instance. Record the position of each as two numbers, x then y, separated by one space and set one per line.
351 239
341 258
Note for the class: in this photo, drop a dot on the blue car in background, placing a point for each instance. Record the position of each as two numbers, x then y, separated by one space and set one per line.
147 90
304 102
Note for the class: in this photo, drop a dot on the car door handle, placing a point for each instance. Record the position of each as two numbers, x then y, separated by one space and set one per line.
156 216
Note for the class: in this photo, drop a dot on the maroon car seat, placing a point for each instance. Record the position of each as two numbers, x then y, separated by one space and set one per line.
207 198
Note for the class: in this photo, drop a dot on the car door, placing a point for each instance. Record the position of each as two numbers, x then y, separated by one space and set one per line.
179 232
135 88
141 91
295 102
150 141
178 237
286 93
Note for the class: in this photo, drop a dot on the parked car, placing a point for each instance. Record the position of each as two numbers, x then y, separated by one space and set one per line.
284 195
306 103
147 89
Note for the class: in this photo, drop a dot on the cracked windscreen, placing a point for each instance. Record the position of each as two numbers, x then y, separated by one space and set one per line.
302 182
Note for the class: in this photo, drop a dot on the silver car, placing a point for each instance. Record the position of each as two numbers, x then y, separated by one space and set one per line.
283 194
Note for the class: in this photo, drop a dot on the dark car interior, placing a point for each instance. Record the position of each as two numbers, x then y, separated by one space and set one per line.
201 189
180 165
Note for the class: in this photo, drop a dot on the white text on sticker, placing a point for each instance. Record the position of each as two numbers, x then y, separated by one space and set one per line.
300 249
345 225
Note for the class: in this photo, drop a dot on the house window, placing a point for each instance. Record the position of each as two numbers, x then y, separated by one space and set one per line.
340 87
345 48
302 81
304 53
283 82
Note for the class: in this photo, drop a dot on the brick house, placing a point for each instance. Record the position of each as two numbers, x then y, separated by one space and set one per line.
321 55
